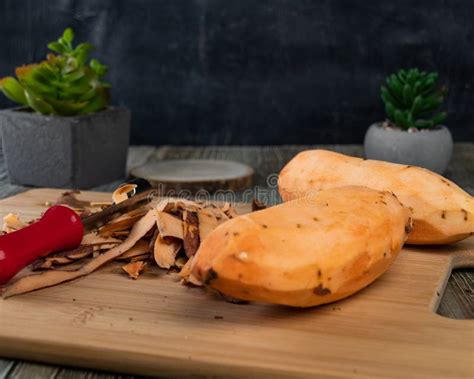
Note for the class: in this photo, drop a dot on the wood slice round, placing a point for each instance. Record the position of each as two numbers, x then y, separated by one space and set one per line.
196 174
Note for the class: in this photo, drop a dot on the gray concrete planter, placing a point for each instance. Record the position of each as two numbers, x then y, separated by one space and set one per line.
65 152
430 149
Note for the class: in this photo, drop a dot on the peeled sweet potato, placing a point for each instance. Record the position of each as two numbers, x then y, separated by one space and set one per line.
442 211
305 252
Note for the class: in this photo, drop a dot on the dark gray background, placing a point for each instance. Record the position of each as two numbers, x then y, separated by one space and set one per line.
254 72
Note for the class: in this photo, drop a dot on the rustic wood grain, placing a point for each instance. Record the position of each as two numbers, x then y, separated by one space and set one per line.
387 330
6 366
457 301
30 370
458 298
195 174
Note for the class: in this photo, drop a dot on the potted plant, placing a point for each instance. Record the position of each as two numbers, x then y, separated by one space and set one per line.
64 134
413 133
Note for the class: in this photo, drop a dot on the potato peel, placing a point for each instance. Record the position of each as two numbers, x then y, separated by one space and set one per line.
51 278
171 226
190 233
123 193
12 222
140 248
165 251
134 269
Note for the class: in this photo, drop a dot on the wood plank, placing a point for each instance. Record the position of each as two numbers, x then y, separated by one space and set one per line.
32 370
155 326
456 302
6 366
42 371
458 298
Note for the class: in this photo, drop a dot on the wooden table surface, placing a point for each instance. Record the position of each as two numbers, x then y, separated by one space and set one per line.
457 301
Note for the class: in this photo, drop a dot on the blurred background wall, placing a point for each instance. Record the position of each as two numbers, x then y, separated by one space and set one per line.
255 72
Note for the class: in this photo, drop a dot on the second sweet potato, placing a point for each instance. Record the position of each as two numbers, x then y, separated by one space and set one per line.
442 212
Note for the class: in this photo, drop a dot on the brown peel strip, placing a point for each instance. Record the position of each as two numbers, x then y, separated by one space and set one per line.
140 248
12 222
105 246
225 206
120 234
95 239
218 213
155 235
165 251
142 257
209 219
134 212
177 205
231 212
186 274
39 264
47 264
101 204
134 269
69 198
180 262
191 233
62 257
168 225
119 225
124 192
79 253
186 269
58 260
51 278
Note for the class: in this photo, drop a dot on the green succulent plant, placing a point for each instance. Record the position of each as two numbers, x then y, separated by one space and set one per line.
65 84
412 99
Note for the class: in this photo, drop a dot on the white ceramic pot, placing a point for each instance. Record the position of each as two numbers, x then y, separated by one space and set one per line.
431 149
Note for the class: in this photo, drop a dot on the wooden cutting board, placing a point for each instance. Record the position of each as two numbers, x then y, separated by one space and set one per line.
157 326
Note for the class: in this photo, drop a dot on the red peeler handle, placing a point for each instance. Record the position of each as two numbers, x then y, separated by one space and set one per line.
60 228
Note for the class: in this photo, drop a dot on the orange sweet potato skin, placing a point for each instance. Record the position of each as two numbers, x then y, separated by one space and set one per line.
305 252
442 211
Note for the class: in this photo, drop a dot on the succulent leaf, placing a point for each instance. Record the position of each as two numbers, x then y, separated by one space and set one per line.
84 46
68 35
417 104
13 90
407 94
66 83
412 98
390 109
56 47
38 104
439 118
67 107
98 102
98 67
399 118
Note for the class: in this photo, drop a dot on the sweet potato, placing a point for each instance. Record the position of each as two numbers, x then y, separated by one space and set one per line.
305 252
442 212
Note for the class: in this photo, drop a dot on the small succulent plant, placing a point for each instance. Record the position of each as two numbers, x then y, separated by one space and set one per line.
65 84
412 99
